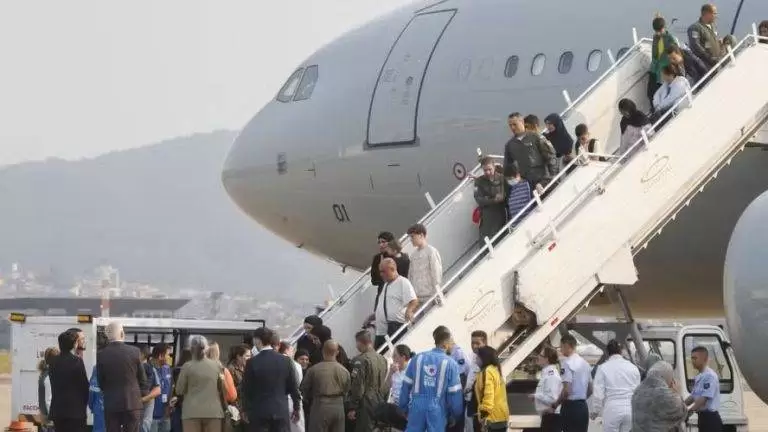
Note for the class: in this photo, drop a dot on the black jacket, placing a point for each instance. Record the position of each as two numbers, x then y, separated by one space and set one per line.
695 68
69 387
269 376
121 377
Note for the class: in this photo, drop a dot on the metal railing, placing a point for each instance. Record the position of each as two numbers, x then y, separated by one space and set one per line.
488 247
361 283
598 183
605 75
645 139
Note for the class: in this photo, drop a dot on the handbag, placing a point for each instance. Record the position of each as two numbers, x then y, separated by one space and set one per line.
231 413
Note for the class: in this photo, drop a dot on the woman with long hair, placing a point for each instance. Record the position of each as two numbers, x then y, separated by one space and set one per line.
238 357
323 334
44 393
491 391
548 390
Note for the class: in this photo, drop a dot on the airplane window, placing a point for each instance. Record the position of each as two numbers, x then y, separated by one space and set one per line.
537 67
307 85
289 88
594 60
510 69
566 61
622 51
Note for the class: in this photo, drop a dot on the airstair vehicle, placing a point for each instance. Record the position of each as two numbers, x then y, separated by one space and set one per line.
527 280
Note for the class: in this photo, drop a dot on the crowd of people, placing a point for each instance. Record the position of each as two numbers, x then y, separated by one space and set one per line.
267 386
533 158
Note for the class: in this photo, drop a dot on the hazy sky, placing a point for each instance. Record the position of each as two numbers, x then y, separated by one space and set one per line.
80 78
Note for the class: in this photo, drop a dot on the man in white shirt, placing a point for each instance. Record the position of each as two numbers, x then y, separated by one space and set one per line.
478 339
397 305
615 383
577 388
426 271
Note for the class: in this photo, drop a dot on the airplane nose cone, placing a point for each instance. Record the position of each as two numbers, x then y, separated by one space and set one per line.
250 172
256 174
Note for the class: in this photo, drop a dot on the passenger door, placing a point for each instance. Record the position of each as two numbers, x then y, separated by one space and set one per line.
392 116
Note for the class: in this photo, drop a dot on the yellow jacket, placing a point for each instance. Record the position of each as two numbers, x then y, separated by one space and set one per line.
491 393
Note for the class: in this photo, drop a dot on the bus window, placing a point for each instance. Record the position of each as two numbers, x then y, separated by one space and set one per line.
664 348
718 361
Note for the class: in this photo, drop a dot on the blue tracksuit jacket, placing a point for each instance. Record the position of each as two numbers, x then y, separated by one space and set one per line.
431 392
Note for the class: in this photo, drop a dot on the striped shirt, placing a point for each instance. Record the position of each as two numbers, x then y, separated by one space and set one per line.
519 196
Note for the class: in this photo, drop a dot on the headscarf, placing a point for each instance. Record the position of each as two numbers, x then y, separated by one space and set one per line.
560 138
655 406
305 342
649 362
314 320
322 333
634 118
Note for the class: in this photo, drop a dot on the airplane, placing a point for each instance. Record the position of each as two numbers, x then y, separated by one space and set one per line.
349 148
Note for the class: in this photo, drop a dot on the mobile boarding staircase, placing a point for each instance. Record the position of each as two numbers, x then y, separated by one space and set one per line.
586 232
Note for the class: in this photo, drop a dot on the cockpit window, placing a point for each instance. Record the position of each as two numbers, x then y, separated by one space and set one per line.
307 84
290 86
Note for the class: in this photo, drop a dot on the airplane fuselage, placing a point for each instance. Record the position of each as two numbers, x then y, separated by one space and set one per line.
401 105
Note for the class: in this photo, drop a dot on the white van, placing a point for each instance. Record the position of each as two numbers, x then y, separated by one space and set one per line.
674 344
32 335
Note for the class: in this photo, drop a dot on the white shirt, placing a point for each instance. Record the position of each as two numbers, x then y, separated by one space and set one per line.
426 271
397 384
615 382
398 294
474 369
255 351
578 373
668 94
48 393
548 390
